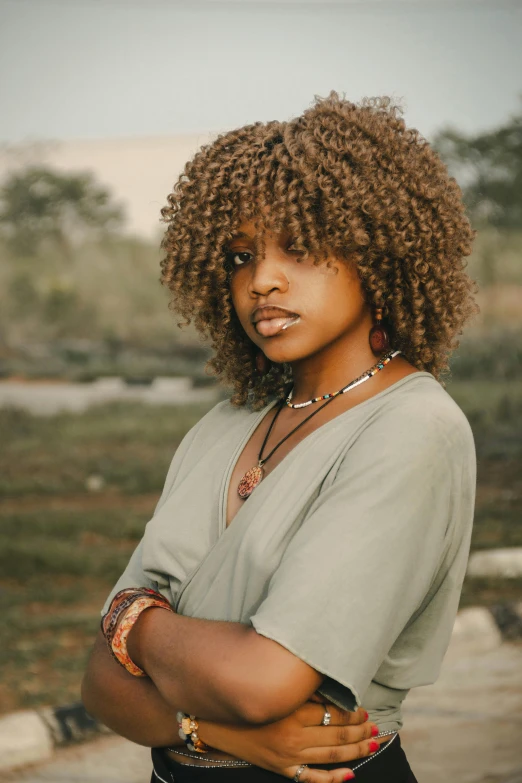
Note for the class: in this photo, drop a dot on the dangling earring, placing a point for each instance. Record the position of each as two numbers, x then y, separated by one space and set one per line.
379 339
262 363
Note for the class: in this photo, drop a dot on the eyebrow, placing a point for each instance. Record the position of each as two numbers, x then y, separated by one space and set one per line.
241 235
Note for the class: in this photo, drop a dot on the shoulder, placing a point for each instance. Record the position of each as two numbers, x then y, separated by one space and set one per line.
224 415
216 425
223 419
424 400
414 449
418 416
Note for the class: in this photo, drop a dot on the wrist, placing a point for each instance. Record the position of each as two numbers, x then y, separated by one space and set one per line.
223 737
138 640
117 623
210 733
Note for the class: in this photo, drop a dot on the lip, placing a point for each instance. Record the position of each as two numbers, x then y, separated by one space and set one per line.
267 312
271 320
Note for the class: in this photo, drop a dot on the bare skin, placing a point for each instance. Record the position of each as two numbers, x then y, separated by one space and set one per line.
325 340
134 708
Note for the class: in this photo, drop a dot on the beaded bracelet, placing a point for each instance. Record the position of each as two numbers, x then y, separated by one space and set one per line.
119 640
188 731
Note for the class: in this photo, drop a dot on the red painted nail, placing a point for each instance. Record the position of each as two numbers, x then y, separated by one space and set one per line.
375 731
374 746
349 775
367 716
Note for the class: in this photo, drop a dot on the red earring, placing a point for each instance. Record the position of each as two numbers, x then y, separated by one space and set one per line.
379 339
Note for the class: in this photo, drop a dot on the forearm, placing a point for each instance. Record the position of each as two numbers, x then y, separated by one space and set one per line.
212 669
130 706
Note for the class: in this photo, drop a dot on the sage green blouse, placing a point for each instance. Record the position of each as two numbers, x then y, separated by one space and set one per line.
351 553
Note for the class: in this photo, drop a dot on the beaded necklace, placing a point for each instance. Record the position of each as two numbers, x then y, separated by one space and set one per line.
254 475
377 367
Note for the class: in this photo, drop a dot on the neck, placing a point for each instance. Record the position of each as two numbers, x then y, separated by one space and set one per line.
330 370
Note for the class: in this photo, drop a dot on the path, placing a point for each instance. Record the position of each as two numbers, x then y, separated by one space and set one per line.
48 399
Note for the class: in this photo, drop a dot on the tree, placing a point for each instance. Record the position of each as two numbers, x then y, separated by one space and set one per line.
39 204
489 169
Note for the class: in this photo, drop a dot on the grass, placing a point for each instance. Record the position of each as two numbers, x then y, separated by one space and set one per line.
487 592
495 527
63 547
128 445
45 635
489 405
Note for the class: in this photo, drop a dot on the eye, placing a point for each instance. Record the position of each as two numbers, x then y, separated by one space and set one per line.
238 258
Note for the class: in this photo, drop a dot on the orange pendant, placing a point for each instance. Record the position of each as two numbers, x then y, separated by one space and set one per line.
249 482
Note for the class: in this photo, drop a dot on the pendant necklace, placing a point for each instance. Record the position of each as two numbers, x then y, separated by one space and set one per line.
254 475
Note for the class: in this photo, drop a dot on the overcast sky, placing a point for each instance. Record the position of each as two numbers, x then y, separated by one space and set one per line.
73 69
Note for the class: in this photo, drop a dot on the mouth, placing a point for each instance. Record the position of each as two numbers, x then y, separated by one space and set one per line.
269 321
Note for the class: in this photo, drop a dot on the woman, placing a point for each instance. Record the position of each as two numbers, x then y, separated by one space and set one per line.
311 540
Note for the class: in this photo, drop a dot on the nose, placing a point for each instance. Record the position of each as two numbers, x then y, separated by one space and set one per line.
268 274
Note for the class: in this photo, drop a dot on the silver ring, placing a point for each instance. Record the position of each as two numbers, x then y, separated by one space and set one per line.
326 717
299 771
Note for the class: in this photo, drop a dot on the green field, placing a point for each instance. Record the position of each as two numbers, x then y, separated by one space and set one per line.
62 547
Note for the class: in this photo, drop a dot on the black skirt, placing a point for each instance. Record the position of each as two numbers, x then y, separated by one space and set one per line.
388 765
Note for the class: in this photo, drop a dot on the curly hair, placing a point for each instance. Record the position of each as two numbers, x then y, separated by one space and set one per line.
346 180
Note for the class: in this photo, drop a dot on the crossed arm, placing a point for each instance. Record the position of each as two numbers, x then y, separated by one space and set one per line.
220 671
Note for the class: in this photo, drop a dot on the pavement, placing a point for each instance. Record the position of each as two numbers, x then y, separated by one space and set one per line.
51 398
466 728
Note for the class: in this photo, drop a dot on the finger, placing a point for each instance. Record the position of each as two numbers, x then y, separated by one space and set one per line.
326 736
311 775
340 754
359 716
312 714
345 717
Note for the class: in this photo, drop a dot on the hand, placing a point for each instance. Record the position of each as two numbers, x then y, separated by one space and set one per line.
281 747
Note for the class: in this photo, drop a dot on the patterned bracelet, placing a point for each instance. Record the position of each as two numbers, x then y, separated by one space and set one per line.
120 603
188 731
116 624
118 644
111 619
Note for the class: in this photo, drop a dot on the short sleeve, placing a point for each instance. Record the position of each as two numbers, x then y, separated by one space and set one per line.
372 546
134 574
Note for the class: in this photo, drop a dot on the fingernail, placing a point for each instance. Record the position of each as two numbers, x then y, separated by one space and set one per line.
375 731
374 746
367 716
349 775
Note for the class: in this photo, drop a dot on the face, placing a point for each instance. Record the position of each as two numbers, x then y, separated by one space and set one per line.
290 307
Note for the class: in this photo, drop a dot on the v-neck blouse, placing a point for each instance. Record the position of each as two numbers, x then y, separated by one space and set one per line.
351 553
